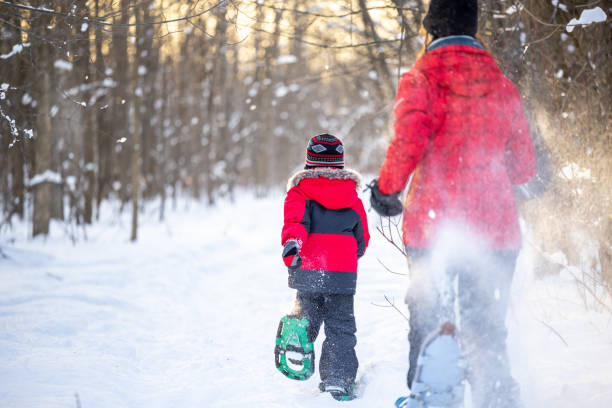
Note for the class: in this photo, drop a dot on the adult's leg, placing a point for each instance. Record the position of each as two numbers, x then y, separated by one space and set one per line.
484 291
423 306
338 364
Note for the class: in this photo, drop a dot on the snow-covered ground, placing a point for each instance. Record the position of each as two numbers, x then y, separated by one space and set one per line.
187 317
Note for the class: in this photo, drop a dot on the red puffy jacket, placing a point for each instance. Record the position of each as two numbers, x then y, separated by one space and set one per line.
324 214
460 127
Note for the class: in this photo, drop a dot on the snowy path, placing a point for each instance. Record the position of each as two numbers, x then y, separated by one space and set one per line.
187 318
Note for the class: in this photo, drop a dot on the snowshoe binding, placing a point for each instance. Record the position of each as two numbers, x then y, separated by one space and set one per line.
440 373
339 392
294 352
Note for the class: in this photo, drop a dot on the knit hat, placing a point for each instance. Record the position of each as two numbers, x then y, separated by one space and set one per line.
324 151
452 17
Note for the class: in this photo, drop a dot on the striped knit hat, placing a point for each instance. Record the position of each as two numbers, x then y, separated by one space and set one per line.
324 151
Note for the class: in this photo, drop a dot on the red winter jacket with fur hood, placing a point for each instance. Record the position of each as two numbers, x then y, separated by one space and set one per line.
460 127
325 215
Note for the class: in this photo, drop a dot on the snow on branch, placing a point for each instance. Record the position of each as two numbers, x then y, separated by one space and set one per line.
63 65
49 176
17 48
10 120
589 16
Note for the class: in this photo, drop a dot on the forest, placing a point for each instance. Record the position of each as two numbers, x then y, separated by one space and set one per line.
145 101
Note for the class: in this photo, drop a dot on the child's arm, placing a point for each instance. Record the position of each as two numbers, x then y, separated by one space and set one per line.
361 231
297 218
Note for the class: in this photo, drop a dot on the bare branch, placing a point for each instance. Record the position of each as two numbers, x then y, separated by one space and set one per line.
392 304
389 236
106 23
347 14
389 270
554 331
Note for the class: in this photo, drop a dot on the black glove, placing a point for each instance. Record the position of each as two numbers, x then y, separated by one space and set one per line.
291 254
387 205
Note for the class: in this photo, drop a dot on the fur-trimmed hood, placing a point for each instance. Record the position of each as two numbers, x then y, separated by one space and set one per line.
328 173
332 188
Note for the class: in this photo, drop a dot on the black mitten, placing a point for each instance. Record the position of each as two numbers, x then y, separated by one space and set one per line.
291 254
387 205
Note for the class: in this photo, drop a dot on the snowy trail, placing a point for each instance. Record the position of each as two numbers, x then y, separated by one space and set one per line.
187 317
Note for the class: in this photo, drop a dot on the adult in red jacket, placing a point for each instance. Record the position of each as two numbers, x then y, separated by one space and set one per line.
461 133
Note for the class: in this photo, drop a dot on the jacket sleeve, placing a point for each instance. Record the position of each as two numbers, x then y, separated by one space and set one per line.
519 156
412 129
543 179
296 217
361 231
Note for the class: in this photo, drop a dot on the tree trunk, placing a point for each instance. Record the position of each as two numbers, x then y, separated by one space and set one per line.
120 101
148 57
104 135
13 150
88 136
43 139
137 126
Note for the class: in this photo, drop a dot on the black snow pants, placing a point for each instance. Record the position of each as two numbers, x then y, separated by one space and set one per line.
338 362
482 294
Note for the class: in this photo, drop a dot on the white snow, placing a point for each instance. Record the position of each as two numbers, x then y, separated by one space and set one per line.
286 59
48 176
186 317
17 48
253 91
281 91
514 9
26 99
574 171
71 183
109 83
560 5
11 121
588 16
63 65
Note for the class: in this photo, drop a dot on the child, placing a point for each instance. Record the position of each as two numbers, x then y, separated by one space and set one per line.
324 233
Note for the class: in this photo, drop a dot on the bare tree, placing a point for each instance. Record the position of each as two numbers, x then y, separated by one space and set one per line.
43 138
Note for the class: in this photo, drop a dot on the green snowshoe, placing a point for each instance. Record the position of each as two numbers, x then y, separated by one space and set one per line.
294 352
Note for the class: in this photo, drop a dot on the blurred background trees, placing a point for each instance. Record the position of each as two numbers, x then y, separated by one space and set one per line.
135 101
